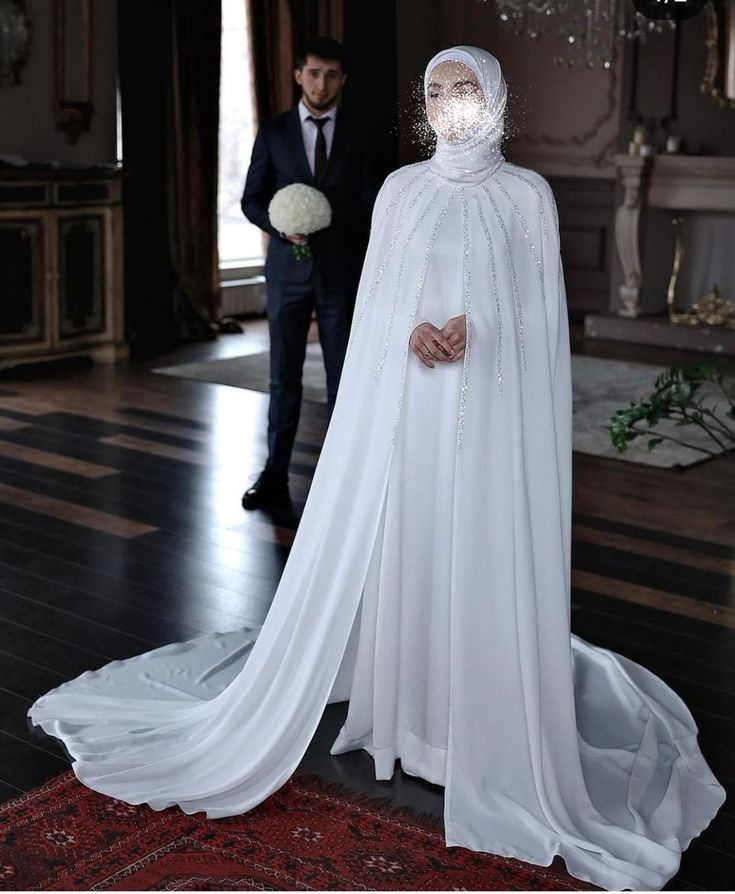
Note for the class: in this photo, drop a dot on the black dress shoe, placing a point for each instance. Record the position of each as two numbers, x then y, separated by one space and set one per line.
270 489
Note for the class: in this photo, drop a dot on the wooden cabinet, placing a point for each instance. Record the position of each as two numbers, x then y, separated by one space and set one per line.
61 263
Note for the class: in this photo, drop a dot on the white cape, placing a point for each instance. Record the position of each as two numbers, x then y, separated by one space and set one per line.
545 743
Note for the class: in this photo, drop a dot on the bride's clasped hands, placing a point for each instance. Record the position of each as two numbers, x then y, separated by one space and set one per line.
429 342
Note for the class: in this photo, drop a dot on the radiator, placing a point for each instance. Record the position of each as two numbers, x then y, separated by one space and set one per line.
242 296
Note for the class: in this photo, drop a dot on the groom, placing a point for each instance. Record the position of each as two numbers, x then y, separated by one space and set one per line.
318 143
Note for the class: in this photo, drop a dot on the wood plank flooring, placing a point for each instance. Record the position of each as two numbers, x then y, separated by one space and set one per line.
121 530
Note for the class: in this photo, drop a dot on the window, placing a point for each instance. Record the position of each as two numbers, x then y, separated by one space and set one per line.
240 242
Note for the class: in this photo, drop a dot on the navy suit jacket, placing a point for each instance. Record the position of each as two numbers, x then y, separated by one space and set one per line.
351 182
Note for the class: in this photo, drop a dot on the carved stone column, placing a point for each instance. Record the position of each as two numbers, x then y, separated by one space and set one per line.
634 170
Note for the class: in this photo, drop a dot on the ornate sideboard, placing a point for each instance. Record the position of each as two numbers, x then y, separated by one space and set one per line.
61 264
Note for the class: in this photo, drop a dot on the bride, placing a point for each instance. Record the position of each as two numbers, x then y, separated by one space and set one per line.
429 579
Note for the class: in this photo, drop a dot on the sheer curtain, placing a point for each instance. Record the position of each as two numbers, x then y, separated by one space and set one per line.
241 243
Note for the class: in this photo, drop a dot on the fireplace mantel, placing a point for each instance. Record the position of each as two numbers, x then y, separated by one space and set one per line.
677 182
680 183
692 183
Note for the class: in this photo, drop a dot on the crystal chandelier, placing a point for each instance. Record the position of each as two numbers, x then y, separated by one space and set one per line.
589 30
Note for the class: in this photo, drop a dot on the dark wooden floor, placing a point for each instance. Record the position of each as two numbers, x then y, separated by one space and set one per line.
121 530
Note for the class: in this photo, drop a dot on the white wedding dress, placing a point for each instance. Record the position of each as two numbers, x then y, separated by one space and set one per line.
429 580
399 700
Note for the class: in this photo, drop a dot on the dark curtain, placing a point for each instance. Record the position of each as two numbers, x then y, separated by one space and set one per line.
371 89
169 63
277 29
272 49
368 32
193 138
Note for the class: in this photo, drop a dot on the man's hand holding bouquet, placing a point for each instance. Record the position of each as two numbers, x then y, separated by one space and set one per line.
297 211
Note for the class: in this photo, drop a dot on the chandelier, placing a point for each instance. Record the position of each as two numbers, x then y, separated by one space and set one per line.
589 30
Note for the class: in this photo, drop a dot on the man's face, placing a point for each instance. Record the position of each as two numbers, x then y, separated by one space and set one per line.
321 81
454 100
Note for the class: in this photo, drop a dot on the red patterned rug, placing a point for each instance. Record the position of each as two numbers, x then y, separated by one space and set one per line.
309 835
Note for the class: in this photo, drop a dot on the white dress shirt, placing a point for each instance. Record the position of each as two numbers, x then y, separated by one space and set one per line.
309 131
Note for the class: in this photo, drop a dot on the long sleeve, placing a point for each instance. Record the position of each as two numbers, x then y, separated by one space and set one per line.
259 185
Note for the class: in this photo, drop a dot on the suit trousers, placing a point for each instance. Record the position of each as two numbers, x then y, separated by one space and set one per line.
290 306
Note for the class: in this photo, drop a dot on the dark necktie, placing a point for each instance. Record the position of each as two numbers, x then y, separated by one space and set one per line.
320 153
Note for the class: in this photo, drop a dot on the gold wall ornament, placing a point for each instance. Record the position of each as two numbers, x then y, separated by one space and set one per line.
711 310
719 69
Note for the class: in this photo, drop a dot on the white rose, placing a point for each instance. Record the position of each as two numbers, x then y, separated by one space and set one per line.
299 208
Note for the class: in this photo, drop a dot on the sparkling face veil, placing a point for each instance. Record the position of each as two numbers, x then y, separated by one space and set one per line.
475 152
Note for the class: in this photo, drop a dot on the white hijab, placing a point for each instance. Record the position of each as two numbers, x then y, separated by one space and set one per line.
473 156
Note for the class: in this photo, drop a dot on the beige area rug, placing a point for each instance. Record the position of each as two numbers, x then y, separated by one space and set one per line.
600 386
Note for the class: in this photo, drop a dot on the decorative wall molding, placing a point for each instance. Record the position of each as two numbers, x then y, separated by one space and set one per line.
558 154
586 229
581 139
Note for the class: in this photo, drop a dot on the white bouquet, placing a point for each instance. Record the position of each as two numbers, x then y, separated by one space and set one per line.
299 209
